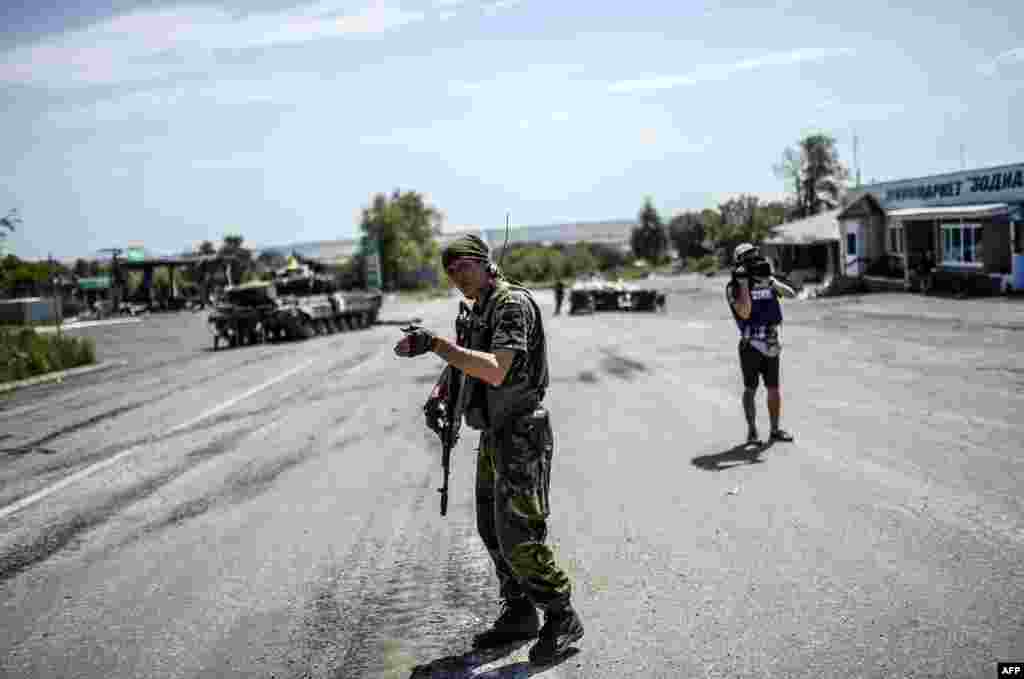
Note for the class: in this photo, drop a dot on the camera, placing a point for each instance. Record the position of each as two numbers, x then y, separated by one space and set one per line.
753 268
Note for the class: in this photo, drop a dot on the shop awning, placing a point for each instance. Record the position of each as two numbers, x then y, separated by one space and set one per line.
953 212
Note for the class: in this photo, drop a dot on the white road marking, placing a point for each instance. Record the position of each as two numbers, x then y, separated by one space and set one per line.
87 324
103 464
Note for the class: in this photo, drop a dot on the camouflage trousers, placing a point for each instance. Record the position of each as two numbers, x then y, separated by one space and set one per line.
513 479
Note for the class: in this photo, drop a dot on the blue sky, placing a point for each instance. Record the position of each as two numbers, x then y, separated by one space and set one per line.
167 124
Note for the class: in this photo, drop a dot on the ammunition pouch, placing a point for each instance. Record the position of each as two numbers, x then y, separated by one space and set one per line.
527 446
535 424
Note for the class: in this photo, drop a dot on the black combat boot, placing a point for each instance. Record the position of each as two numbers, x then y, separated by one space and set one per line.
518 621
561 628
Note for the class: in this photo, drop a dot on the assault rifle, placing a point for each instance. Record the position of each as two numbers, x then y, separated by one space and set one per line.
444 414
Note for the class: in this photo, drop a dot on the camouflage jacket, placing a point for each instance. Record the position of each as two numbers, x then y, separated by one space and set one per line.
507 317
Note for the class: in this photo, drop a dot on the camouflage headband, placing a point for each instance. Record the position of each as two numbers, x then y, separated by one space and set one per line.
465 247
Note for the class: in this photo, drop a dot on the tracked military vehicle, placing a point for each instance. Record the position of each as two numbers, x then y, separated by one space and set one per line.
296 304
595 293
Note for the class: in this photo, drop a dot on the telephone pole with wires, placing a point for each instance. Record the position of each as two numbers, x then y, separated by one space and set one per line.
856 161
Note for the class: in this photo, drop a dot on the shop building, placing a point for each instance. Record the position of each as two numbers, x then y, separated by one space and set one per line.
806 250
968 223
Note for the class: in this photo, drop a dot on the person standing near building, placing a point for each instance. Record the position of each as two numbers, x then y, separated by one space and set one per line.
753 295
506 370
559 295
924 271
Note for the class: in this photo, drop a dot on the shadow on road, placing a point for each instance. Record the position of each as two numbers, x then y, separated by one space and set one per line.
464 666
745 453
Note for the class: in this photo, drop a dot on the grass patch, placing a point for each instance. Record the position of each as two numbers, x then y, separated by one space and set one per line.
25 353
705 264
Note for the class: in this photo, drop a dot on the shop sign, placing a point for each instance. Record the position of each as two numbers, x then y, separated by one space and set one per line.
999 185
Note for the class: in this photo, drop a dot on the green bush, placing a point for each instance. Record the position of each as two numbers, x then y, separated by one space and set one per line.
705 264
25 353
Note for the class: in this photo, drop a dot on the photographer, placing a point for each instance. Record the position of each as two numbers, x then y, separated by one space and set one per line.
753 295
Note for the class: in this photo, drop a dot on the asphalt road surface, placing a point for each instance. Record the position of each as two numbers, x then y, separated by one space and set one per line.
271 511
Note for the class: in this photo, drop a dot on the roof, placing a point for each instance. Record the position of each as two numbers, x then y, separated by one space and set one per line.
817 229
982 210
182 260
864 200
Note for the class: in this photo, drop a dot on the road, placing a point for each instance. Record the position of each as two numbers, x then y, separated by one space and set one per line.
270 511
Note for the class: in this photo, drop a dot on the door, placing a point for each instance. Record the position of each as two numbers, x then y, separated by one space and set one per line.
854 248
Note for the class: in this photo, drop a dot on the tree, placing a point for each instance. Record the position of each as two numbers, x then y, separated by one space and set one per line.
206 248
606 257
403 226
649 240
24 279
790 170
85 268
242 264
744 219
9 222
687 233
816 174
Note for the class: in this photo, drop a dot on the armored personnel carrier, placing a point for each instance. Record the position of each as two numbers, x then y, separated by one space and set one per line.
296 304
595 293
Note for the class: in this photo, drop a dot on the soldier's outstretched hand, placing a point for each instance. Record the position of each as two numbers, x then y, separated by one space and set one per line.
417 341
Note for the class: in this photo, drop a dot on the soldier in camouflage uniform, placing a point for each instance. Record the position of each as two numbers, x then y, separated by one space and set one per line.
506 369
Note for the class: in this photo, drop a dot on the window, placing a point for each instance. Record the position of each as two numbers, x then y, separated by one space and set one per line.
962 244
896 242
851 244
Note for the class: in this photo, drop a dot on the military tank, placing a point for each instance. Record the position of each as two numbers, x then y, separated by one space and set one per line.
297 304
596 293
240 315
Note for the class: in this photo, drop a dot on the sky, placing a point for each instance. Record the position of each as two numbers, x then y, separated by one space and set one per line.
165 124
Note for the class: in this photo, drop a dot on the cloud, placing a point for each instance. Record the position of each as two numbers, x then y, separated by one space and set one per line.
192 99
147 45
718 72
450 8
554 78
992 68
492 8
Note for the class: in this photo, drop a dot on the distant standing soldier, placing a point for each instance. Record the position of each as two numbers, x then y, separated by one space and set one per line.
506 370
559 295
753 295
924 271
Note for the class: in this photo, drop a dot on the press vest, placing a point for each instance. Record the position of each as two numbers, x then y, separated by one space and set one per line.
765 314
488 407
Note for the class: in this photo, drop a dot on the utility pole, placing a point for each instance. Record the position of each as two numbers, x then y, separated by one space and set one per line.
115 272
856 162
54 292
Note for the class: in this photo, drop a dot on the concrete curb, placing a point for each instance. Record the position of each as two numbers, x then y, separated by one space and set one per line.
60 375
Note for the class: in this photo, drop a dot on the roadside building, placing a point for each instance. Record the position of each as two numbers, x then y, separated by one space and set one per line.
806 250
970 221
